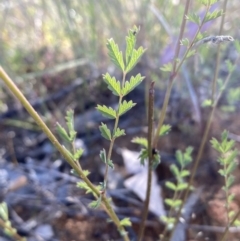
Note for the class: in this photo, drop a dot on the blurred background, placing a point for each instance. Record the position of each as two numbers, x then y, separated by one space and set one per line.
55 51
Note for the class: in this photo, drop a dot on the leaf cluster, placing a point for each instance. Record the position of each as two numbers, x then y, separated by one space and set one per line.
143 142
69 135
180 173
228 164
132 55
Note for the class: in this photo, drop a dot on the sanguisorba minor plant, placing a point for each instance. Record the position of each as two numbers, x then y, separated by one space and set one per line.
69 152
150 145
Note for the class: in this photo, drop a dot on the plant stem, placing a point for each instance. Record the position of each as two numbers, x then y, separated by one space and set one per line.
12 231
150 158
114 130
204 139
172 77
18 94
175 71
214 83
231 224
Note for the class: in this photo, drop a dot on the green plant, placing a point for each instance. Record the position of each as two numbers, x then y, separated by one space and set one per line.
149 145
228 164
70 153
6 225
180 173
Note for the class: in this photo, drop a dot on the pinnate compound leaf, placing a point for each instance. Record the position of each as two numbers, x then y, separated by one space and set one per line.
213 15
115 55
78 153
86 173
105 132
174 169
230 181
70 124
182 186
221 172
164 130
103 156
132 84
167 67
119 132
207 102
110 164
63 133
113 84
216 145
130 41
125 106
136 55
188 155
83 185
184 173
232 166
184 42
230 159
143 156
191 53
179 157
177 203
171 186
169 202
140 141
108 112
126 222
95 204
193 17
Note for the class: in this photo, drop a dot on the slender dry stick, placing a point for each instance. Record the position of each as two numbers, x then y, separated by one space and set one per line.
150 158
214 83
172 76
12 231
18 94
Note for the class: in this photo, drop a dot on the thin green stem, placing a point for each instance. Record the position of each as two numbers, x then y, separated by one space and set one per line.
199 155
150 158
214 83
226 193
175 71
204 139
18 94
231 224
114 130
176 196
203 142
12 231
193 41
172 76
162 236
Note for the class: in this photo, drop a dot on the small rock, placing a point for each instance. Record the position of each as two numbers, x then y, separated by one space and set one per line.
45 231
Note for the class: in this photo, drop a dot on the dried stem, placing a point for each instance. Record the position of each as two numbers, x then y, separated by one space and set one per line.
150 158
